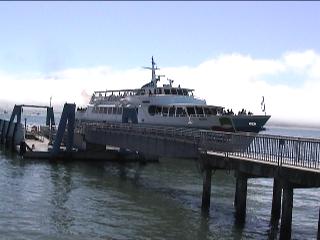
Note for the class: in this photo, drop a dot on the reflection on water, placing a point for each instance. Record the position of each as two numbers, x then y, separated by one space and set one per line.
99 200
60 215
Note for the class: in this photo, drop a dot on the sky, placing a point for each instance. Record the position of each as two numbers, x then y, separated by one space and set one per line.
231 53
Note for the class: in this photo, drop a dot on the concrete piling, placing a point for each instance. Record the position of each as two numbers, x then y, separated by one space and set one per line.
286 215
206 192
4 132
241 197
2 126
276 200
318 236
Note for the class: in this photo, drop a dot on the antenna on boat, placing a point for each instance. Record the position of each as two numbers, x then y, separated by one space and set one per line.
153 69
158 79
170 81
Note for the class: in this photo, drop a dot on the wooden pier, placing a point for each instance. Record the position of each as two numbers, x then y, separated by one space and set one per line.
291 162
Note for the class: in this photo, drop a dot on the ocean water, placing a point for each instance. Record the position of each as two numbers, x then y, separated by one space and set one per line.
101 200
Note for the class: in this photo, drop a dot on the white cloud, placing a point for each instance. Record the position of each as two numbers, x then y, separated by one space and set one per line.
234 81
300 60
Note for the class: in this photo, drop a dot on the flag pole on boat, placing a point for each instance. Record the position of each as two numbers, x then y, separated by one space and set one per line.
263 106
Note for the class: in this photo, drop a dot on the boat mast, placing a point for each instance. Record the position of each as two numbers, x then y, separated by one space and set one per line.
153 70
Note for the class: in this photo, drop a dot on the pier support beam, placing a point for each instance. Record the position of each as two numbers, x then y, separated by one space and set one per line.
286 215
318 237
206 192
241 197
3 131
67 116
276 200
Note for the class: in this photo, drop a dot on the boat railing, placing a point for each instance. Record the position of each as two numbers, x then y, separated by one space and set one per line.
104 99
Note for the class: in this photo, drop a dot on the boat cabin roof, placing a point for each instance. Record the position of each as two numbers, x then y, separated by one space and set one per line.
159 90
187 105
139 89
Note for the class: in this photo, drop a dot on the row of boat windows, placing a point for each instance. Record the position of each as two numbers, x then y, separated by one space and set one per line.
108 110
167 91
164 111
181 111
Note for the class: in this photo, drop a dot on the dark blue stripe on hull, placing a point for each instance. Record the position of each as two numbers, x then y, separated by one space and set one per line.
247 123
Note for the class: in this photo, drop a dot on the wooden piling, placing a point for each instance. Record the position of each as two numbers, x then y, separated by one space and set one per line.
206 192
276 200
241 197
286 215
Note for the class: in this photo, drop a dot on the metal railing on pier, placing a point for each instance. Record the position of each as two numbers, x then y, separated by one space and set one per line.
279 150
300 152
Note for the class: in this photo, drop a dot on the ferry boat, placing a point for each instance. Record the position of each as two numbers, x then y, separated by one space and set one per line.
165 105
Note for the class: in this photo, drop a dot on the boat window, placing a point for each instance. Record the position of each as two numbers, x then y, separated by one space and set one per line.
159 90
214 111
219 110
140 92
158 110
172 111
207 111
164 111
109 110
190 110
185 92
179 90
180 112
152 110
114 110
184 113
166 91
119 110
105 110
173 91
199 110
155 91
